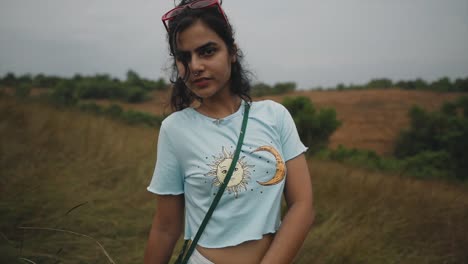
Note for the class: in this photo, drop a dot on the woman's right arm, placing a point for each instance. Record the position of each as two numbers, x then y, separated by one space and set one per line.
166 228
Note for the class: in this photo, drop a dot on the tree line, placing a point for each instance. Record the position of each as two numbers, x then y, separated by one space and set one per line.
443 84
134 87
100 86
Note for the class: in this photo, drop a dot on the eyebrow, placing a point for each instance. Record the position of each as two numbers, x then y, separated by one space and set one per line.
202 47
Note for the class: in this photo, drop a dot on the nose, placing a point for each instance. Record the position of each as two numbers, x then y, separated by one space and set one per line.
196 65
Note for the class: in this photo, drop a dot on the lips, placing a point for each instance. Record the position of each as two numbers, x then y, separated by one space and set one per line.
201 82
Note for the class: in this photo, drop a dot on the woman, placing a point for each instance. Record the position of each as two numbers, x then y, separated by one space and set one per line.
196 145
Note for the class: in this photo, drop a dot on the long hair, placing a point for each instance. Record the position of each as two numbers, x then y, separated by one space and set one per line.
181 96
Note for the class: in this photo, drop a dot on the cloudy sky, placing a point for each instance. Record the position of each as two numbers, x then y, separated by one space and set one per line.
314 43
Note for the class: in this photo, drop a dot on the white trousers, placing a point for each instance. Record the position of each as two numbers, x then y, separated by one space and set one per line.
198 258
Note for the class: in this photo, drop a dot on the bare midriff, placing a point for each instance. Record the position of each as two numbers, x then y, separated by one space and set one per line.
247 252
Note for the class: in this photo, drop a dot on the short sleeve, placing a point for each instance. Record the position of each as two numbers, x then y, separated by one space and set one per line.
167 176
290 140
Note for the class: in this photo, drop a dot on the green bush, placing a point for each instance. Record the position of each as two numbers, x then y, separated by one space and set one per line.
380 83
262 89
362 158
428 164
23 90
9 80
99 87
443 84
64 94
91 108
425 165
161 85
341 154
314 127
135 117
134 80
114 110
284 87
461 84
444 131
417 84
135 95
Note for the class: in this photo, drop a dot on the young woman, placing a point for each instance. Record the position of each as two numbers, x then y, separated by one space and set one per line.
196 146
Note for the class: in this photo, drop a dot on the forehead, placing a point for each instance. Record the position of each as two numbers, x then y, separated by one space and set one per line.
197 35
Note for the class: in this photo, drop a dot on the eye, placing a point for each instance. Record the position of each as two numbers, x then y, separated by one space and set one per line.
236 169
208 51
224 171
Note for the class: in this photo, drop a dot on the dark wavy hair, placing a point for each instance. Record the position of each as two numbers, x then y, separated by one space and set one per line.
181 96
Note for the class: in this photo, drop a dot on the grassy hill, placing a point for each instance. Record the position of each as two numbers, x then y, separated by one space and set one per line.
72 171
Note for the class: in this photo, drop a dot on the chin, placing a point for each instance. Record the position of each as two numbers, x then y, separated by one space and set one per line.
204 92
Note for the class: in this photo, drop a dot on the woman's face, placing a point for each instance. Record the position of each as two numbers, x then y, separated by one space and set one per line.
208 60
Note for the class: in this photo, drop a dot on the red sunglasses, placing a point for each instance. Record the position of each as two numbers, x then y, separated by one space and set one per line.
192 5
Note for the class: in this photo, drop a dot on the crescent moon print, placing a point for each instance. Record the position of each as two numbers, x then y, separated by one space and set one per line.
280 166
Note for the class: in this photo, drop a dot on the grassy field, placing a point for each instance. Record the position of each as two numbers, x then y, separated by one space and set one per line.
67 170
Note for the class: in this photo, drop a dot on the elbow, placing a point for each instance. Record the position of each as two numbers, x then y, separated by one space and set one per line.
307 214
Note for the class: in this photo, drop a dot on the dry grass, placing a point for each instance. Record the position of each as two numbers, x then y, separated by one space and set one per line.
366 217
52 161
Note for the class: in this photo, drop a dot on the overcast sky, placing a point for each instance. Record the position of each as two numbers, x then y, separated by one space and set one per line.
314 43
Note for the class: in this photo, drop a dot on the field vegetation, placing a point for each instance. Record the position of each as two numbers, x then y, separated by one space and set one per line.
371 119
68 170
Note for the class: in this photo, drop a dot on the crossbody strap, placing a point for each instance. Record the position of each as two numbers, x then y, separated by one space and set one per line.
220 191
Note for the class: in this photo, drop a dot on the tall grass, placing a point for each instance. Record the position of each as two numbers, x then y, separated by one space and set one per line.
52 161
367 217
86 174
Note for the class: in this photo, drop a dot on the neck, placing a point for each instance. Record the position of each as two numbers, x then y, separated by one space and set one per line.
220 109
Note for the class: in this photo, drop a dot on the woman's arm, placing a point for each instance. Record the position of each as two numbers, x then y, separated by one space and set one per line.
166 228
299 217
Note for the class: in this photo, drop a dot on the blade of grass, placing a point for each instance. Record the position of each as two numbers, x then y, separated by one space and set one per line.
73 233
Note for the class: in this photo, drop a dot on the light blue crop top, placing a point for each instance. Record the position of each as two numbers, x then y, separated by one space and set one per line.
194 153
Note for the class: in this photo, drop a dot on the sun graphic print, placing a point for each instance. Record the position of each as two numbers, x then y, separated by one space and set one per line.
220 166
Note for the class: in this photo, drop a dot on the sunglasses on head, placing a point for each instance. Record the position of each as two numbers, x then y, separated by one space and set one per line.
192 5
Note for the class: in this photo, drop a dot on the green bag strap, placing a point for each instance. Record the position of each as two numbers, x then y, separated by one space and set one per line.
220 191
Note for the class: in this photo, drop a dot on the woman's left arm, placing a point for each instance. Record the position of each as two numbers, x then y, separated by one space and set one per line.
299 217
